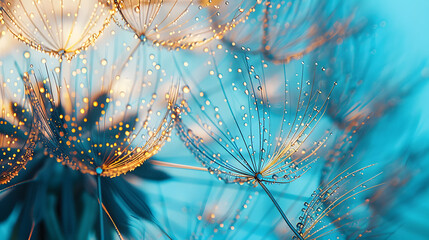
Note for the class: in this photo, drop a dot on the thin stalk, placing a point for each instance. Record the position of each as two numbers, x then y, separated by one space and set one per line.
177 166
61 71
280 211
100 204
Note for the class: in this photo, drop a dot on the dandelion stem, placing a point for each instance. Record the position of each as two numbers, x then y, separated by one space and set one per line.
61 71
280 210
100 204
178 166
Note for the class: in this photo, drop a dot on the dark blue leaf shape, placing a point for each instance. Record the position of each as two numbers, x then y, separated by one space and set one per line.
149 172
34 205
8 201
22 114
119 193
68 209
7 155
88 216
116 212
133 198
8 128
94 112
113 131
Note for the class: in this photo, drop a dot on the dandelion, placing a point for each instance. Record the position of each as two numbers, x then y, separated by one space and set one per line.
283 31
59 28
366 92
59 203
182 24
248 144
338 207
402 178
106 134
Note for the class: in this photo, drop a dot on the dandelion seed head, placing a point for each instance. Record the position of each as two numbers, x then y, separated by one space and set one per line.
182 24
242 147
24 20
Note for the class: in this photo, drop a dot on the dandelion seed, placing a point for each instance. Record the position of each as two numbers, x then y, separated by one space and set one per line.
49 26
84 131
279 161
181 24
283 31
61 133
337 206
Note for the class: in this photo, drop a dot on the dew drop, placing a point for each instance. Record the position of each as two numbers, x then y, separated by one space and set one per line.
186 89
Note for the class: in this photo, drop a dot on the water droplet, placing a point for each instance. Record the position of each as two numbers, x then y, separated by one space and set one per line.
186 89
